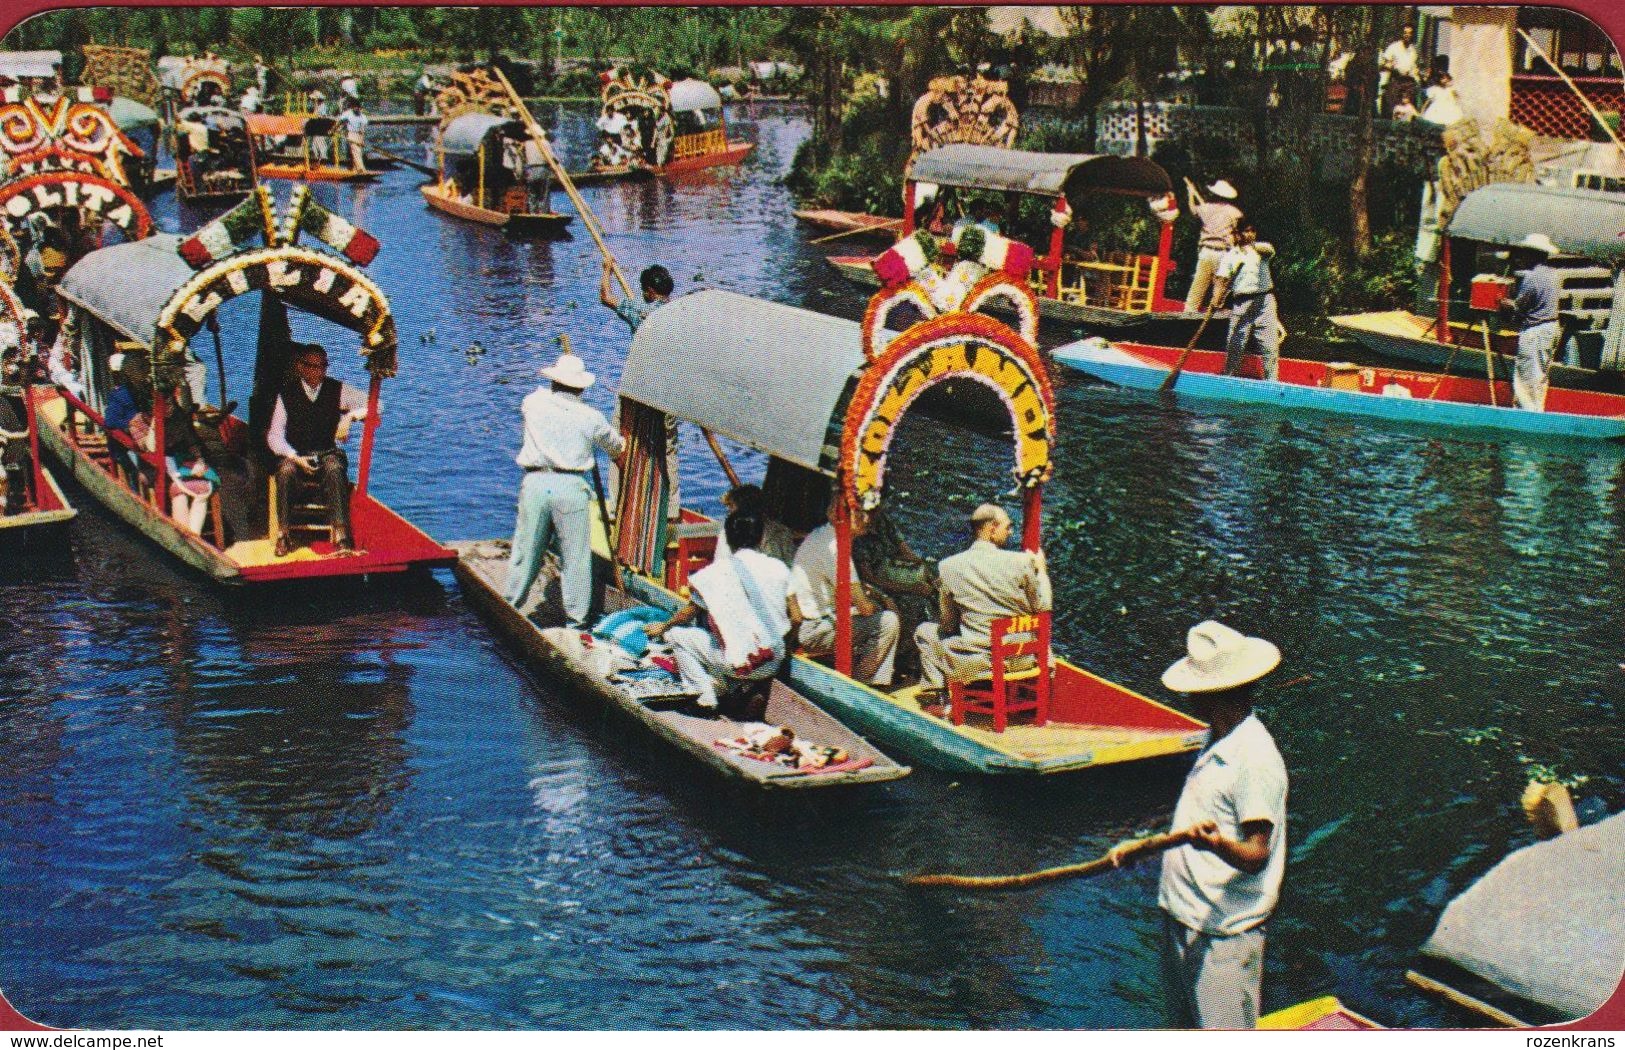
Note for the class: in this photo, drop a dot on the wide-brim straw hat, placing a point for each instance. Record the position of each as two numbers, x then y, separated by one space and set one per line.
1219 657
1221 188
1538 242
569 370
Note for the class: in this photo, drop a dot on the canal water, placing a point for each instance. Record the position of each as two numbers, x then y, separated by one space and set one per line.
295 810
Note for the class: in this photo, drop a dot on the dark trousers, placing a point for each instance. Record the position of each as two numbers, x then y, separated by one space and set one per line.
332 477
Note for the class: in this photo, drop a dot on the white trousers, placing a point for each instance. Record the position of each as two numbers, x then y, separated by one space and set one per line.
1534 365
1211 982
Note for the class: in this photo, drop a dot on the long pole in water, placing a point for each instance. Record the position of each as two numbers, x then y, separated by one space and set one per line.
1105 862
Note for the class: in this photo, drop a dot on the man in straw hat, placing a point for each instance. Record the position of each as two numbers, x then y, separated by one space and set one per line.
555 499
1535 308
1218 891
1218 217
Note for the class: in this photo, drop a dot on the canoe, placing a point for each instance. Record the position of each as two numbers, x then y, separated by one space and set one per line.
850 221
1378 393
481 569
624 173
1173 325
1326 1014
522 223
1406 336
302 172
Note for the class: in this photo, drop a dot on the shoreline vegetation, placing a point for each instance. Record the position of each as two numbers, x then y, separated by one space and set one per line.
1344 240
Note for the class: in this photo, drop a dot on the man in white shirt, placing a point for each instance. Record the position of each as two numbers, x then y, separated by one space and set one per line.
350 89
1219 889
355 133
312 415
555 499
1398 68
1244 280
812 607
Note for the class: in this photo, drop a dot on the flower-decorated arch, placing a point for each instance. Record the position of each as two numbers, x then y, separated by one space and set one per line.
90 193
67 131
313 280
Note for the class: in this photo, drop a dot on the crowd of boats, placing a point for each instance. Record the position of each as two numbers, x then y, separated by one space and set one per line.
93 293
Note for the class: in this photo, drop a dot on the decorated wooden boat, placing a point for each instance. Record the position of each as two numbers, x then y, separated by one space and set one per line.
31 503
482 567
821 397
497 176
192 80
1114 291
152 296
1584 224
284 148
660 127
1326 1014
214 155
1372 392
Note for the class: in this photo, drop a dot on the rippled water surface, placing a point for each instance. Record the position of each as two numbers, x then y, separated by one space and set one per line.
354 811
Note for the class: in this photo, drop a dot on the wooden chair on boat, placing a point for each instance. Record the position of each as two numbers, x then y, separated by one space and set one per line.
308 510
1014 685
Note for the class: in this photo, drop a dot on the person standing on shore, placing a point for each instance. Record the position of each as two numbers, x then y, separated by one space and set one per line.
1218 891
1218 218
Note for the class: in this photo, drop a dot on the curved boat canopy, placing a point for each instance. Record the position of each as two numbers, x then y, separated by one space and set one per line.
465 133
264 124
689 96
142 288
218 117
771 377
177 72
1045 174
131 115
1587 223
32 64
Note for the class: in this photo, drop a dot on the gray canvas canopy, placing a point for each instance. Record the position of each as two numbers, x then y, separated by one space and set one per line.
768 376
1587 223
688 96
32 64
1547 923
465 133
128 285
1046 174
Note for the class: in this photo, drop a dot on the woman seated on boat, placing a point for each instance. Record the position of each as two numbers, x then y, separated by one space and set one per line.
777 539
129 402
744 599
908 581
191 480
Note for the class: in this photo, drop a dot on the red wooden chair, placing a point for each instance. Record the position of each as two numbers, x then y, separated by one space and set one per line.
1010 691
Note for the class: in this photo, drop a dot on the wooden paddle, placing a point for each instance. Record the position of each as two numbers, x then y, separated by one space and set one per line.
397 158
1143 848
1173 376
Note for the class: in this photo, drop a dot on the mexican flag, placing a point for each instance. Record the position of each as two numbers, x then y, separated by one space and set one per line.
356 244
227 234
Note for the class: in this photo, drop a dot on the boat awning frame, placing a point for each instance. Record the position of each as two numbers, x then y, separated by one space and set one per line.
692 96
1587 223
464 134
974 167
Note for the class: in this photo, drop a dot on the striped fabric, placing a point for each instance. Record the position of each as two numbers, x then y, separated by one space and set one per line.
645 490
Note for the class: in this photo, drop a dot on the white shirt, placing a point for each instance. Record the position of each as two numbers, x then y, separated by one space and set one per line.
1247 268
778 542
1238 779
561 430
1399 57
348 86
772 578
355 122
352 402
812 576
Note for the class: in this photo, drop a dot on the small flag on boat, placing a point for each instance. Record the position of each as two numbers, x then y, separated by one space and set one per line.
305 214
228 233
905 259
994 251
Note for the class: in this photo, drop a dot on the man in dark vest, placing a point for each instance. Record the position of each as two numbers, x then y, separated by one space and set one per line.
304 434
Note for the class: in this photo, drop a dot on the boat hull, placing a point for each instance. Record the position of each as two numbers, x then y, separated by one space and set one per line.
390 544
313 173
594 177
1406 336
850 221
1459 402
479 570
521 223
1173 325
735 153
52 516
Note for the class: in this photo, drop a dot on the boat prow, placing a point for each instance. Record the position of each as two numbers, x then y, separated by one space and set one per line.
523 223
482 567
50 512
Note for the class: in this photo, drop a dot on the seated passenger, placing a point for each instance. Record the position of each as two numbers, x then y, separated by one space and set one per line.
745 598
887 563
304 434
979 585
812 607
129 407
191 480
777 539
224 441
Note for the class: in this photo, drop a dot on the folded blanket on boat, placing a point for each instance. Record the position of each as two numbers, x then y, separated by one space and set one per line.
627 628
750 629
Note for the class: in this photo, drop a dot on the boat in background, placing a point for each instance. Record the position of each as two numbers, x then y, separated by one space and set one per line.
282 147
1116 292
497 177
821 397
1584 224
31 502
152 296
648 125
856 223
1357 390
214 155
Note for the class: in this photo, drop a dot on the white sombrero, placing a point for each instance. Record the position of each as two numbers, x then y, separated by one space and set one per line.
1223 189
1220 658
569 371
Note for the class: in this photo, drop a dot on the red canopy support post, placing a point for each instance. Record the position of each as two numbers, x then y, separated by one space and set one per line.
843 583
1052 286
1032 509
1165 262
368 429
160 414
1442 318
37 474
910 188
